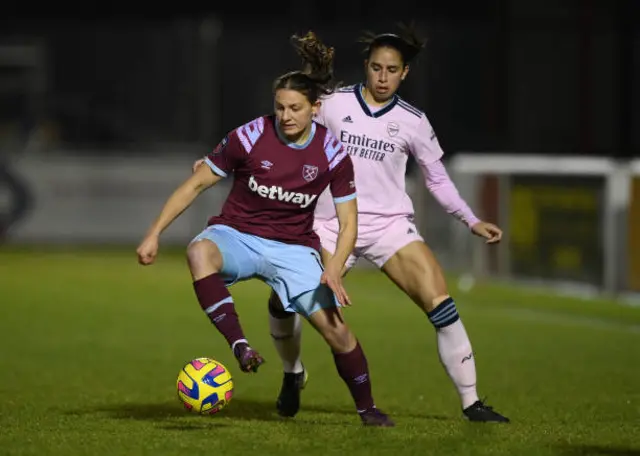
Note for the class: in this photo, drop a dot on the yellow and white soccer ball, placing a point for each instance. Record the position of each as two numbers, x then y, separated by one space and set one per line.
204 386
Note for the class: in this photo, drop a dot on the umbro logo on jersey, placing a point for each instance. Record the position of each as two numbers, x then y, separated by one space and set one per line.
347 119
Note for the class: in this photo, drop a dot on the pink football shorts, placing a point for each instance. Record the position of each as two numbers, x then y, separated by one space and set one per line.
376 242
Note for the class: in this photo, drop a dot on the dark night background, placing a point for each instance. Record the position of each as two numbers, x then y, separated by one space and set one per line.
534 77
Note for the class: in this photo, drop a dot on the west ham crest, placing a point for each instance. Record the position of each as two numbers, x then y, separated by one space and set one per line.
393 128
309 172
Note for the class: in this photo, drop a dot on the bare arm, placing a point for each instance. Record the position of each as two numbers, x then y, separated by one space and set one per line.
348 220
202 179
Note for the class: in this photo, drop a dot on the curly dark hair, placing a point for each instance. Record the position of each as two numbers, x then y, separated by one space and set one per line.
316 77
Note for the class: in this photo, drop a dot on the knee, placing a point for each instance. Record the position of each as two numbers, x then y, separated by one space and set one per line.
282 324
204 258
431 283
276 309
429 286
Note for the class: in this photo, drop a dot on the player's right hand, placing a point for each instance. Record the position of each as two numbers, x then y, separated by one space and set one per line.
332 277
148 250
196 164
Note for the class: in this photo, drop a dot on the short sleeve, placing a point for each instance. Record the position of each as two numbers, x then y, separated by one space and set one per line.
343 184
424 144
227 155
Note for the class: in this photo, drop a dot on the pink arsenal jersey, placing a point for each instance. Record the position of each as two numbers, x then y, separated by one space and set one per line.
379 143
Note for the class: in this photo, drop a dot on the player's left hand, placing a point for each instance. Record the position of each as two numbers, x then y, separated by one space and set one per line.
489 231
332 277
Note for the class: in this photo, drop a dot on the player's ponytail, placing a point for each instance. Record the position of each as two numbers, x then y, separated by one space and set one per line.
407 42
316 77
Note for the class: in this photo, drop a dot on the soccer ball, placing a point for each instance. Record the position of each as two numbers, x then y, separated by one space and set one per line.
204 386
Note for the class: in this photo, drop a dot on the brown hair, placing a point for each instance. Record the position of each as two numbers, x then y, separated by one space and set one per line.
316 77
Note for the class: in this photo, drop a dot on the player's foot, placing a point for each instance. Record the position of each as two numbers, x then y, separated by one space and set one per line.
479 412
288 402
374 417
248 358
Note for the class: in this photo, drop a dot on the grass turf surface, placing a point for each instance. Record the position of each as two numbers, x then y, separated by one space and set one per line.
92 345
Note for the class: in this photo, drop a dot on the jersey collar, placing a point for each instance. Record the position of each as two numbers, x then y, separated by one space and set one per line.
363 104
293 145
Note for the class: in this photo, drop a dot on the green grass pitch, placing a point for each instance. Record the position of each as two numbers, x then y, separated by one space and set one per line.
92 344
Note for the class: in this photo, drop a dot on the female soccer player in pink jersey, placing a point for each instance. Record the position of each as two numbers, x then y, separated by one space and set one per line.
379 130
281 164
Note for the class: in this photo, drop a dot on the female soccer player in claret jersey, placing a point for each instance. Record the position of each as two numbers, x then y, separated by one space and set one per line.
281 163
379 130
